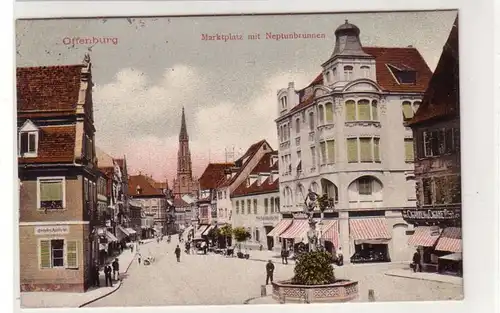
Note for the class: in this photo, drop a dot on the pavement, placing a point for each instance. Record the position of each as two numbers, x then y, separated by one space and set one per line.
408 273
76 299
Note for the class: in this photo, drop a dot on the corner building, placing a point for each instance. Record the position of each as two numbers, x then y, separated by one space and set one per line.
344 135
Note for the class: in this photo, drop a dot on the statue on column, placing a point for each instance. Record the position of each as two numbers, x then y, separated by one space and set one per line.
310 205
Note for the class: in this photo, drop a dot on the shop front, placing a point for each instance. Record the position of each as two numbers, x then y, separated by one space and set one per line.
295 236
329 235
273 236
371 238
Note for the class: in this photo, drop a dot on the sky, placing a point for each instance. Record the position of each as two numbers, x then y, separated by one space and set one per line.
145 70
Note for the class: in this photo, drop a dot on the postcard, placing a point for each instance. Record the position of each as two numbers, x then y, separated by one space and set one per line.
249 159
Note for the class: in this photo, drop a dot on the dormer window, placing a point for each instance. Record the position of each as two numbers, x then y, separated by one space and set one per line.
28 140
366 71
334 73
283 102
138 189
348 71
404 75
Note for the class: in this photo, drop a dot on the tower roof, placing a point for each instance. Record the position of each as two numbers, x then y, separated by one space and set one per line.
347 41
183 134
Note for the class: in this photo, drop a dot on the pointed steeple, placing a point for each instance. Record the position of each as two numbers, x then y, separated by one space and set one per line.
183 134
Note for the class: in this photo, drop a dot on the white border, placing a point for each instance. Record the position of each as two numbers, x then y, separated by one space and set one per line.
480 171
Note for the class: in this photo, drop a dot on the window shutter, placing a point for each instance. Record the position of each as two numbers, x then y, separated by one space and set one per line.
350 110
24 142
364 110
407 110
365 149
376 149
409 150
352 150
71 254
331 151
45 254
329 112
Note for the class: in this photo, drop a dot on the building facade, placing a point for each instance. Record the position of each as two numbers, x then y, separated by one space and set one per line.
436 133
256 202
344 136
57 175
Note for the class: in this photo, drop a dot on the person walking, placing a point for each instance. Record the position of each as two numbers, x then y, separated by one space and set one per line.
340 257
139 257
416 262
178 253
107 275
269 271
116 269
95 275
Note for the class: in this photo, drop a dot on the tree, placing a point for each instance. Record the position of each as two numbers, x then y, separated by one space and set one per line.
225 231
314 268
241 234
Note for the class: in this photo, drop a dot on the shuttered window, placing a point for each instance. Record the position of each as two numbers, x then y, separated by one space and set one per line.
254 206
350 110
242 206
427 190
352 150
365 149
249 206
237 207
329 112
374 110
331 151
51 194
72 254
322 146
45 259
321 115
313 156
409 157
272 205
364 110
407 110
376 149
266 206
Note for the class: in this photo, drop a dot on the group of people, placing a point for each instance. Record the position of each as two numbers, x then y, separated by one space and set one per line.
111 272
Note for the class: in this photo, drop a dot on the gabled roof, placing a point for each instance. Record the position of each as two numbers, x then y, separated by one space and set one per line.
213 174
442 97
104 160
56 144
147 189
264 166
48 88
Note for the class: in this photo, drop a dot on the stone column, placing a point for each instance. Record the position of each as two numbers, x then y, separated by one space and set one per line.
344 235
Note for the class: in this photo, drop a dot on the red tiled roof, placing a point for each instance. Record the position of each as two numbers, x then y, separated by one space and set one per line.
264 166
179 203
213 174
144 182
401 58
55 144
48 88
442 97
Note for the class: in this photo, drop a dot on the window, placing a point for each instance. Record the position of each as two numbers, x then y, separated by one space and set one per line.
334 72
266 206
297 126
254 206
366 71
53 252
322 146
311 121
409 157
51 193
225 212
365 186
427 191
242 206
329 112
330 144
224 195
364 110
348 72
249 206
365 149
237 207
407 111
283 102
277 204
28 143
350 107
272 205
403 74
313 156
440 141
321 115
375 110
352 150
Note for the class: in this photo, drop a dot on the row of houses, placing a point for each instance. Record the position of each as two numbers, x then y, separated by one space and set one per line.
77 204
378 133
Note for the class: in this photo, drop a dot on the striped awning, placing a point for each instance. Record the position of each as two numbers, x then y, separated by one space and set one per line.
369 230
209 228
450 240
280 228
200 231
330 232
297 230
423 236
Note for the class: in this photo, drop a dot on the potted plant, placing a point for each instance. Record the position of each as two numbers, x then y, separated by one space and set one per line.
241 234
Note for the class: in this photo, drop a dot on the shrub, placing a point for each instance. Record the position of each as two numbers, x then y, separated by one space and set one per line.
241 234
314 268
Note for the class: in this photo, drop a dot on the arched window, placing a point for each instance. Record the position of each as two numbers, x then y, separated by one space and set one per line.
329 112
334 73
374 110
328 188
314 187
350 110
311 121
366 191
348 72
297 125
299 192
364 113
366 71
407 110
321 115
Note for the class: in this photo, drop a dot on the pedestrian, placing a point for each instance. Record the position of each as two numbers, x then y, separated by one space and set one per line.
416 262
132 248
107 275
116 269
139 258
178 253
95 275
269 271
340 257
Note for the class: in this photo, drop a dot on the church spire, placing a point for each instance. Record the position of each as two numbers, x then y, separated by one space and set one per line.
183 135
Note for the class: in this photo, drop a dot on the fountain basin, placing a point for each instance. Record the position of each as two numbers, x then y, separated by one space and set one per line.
340 291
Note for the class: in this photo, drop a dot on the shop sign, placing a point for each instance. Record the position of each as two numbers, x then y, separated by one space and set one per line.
267 218
431 214
52 230
299 215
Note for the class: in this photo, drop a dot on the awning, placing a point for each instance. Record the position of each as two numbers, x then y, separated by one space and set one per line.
457 256
205 233
423 236
122 232
111 237
131 231
369 230
280 228
200 231
330 232
297 230
450 240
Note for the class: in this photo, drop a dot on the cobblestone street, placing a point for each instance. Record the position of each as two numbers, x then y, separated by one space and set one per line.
216 280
